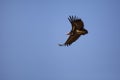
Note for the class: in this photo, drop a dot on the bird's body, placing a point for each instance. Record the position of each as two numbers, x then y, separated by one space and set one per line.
77 30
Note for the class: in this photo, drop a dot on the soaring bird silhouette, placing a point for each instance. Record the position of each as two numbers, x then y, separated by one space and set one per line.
77 30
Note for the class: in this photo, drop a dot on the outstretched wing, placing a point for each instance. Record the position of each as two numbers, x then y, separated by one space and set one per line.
70 40
76 23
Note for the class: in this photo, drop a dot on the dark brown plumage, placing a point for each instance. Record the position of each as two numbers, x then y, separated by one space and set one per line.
77 30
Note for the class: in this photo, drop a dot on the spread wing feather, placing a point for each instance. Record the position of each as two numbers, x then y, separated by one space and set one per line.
76 23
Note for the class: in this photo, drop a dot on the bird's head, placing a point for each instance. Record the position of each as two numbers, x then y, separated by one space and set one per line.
86 32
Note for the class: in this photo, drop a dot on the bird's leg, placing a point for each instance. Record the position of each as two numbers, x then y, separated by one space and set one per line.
70 33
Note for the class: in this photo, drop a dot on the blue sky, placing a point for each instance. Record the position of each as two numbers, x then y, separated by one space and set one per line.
30 32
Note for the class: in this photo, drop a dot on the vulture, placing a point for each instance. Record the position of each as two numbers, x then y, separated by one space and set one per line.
76 31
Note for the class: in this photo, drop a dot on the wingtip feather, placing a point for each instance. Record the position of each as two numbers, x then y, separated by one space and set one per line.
61 44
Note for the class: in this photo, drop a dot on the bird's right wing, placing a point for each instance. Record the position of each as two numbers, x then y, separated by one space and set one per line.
70 40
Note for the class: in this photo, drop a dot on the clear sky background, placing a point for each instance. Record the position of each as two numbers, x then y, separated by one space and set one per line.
31 30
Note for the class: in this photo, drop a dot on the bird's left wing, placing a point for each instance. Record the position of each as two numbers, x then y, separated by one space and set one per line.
76 23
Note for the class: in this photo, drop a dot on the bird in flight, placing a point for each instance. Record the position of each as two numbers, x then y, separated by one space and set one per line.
77 30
